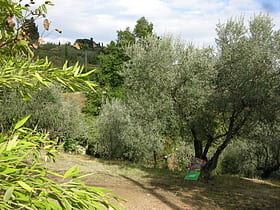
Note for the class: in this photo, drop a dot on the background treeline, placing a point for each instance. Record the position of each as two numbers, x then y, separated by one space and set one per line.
158 97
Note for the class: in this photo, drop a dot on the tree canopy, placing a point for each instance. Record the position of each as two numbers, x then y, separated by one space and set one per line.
210 97
111 60
143 28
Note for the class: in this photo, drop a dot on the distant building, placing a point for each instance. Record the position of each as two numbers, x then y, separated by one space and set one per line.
89 43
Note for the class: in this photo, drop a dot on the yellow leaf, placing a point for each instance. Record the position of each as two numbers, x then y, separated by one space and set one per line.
20 37
25 186
46 24
12 143
77 46
59 31
41 41
39 77
34 46
49 3
8 193
9 22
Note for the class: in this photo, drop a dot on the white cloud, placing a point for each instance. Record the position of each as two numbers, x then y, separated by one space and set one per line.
193 20
152 8
197 4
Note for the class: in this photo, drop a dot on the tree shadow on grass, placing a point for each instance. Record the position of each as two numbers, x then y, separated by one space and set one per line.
152 191
224 192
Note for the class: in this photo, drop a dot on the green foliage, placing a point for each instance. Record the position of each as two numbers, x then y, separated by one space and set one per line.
122 137
246 67
258 156
29 27
108 77
247 81
143 28
61 53
25 182
180 152
16 71
238 160
7 27
111 61
125 37
266 153
166 82
27 74
50 112
111 123
177 90
149 116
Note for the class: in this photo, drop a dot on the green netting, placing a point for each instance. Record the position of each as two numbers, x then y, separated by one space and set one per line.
195 169
192 176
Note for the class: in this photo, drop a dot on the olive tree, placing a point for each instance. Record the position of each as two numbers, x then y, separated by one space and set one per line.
165 81
247 84
207 96
265 154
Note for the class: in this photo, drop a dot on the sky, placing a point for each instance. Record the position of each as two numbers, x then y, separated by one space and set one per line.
192 20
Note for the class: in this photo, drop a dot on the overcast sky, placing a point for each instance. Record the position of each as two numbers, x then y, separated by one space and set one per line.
193 20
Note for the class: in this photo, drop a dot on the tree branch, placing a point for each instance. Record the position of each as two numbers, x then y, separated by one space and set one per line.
207 146
197 144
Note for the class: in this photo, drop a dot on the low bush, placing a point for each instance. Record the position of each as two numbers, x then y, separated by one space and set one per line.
50 112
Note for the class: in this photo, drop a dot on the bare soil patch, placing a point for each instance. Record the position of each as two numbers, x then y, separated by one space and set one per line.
160 189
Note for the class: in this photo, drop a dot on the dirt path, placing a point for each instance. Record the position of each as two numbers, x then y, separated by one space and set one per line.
134 185
144 189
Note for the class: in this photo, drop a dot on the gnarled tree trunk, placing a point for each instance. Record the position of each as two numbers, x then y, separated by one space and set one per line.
213 162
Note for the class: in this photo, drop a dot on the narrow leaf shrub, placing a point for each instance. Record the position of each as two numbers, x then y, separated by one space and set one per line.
122 136
25 182
49 111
